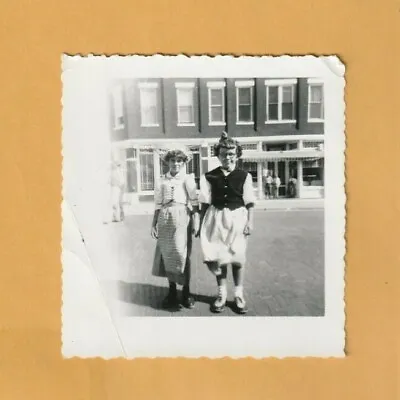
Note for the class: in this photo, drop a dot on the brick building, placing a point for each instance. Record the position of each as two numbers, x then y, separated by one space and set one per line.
279 122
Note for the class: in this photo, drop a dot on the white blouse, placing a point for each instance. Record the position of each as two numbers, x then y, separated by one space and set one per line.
248 190
180 188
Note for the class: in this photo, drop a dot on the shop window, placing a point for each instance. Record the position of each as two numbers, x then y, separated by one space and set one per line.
131 153
193 167
313 173
131 175
250 167
146 160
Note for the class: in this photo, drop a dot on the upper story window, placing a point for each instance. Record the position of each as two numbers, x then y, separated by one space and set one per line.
216 103
244 102
315 100
185 103
280 100
117 103
148 104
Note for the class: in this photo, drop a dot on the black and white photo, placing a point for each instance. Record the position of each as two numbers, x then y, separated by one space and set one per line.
203 206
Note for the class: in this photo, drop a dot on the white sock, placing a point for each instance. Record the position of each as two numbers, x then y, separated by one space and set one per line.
239 291
222 292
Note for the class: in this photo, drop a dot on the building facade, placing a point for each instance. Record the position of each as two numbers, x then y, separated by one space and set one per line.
279 122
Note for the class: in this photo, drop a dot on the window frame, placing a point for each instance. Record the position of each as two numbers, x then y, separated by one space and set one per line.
147 86
249 84
214 85
311 83
185 86
280 83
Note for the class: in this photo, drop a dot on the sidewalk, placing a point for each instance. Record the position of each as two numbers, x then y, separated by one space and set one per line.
145 208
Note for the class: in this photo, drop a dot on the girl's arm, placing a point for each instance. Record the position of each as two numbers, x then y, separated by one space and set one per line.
249 200
154 230
158 203
204 199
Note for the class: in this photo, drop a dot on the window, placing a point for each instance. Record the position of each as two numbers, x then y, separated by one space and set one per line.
313 173
315 101
146 160
250 167
280 100
249 146
185 103
193 166
313 145
244 102
216 103
131 153
148 104
117 101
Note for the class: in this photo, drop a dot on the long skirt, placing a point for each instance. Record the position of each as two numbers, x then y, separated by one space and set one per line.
174 244
222 237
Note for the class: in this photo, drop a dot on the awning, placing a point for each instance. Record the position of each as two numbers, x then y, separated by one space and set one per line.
284 155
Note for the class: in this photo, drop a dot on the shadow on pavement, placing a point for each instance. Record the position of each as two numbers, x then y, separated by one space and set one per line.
144 294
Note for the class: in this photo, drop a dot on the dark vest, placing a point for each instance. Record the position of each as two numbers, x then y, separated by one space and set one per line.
226 191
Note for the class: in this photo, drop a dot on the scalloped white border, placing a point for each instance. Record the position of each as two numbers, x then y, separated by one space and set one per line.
90 328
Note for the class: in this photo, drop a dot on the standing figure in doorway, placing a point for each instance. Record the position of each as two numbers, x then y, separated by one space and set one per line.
117 184
227 200
175 219
276 183
268 185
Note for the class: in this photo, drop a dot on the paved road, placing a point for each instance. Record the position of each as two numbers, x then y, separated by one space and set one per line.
284 274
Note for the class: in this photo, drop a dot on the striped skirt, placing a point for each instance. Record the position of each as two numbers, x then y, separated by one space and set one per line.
174 244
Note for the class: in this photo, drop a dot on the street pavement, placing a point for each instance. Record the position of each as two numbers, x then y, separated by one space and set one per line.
284 272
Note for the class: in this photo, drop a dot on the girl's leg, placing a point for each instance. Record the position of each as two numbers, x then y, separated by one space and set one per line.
219 304
188 300
172 297
238 274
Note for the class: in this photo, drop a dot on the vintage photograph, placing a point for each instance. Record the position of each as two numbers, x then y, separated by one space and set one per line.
206 187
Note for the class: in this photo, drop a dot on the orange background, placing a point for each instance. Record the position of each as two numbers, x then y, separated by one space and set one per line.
34 34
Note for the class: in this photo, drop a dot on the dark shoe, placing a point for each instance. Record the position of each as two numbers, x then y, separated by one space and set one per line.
240 305
187 298
188 301
171 301
218 306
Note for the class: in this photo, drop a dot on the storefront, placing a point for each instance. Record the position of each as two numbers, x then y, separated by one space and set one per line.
304 169
299 162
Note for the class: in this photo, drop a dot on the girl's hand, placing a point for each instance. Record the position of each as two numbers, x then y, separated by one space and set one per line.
248 229
154 232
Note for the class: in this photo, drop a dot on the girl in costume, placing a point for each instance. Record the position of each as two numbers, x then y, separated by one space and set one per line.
175 218
227 201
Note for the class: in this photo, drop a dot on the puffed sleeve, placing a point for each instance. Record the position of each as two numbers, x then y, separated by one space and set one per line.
158 196
191 189
205 191
249 197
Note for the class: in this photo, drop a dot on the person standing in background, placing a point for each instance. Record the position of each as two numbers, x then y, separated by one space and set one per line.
268 185
276 183
117 183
